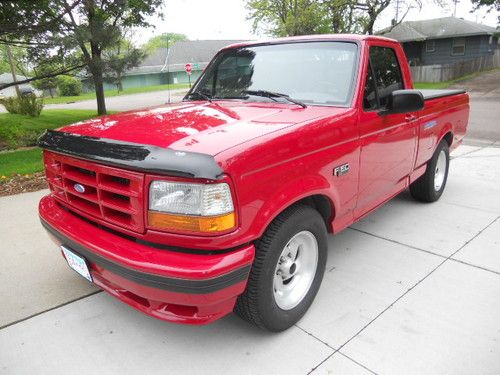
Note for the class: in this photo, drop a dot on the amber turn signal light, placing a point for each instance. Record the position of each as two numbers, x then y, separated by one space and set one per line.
184 223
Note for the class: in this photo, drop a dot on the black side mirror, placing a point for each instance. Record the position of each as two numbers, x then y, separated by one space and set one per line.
403 101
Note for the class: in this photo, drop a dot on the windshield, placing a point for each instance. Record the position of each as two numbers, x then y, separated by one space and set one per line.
319 73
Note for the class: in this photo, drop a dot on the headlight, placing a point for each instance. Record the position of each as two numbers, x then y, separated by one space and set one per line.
179 206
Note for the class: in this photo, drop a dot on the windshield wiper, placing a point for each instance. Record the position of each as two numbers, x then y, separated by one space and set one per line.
200 94
272 95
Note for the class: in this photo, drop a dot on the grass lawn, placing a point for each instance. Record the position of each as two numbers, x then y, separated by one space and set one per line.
20 131
109 93
20 162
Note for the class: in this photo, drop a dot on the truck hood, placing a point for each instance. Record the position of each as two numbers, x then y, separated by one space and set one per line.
207 128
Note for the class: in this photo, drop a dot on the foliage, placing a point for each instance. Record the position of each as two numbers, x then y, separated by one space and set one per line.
19 57
165 40
301 17
29 105
117 61
287 18
69 86
72 33
21 130
489 5
48 84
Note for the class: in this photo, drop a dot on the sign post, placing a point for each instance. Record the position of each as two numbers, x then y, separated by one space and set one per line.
189 70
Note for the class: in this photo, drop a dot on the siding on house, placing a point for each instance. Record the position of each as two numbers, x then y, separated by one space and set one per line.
475 46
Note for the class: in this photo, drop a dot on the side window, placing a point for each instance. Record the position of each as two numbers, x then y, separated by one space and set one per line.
387 74
370 101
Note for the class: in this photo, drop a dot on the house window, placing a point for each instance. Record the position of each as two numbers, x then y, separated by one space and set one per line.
458 46
430 46
491 40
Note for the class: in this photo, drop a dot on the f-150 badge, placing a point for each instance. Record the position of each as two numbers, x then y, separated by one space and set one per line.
341 170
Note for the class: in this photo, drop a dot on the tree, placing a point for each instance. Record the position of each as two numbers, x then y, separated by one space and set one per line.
165 40
489 5
299 17
287 18
120 59
75 33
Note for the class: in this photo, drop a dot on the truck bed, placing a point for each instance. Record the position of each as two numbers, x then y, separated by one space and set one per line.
433 94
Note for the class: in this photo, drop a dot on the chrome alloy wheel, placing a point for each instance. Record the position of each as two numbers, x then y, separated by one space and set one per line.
440 172
295 270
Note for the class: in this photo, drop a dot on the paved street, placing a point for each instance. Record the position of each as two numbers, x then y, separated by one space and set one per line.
411 289
127 102
484 91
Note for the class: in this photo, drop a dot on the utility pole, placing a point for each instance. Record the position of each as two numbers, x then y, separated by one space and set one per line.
455 2
12 69
397 11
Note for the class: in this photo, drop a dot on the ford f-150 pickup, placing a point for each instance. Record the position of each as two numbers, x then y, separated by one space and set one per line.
223 202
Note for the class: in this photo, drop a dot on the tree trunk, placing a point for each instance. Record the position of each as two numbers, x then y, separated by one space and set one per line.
119 83
99 94
97 75
12 69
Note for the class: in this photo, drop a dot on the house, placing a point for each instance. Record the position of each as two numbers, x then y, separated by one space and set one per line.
11 91
445 40
168 66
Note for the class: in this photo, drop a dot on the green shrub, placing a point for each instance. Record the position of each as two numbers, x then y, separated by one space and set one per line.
69 86
11 104
28 104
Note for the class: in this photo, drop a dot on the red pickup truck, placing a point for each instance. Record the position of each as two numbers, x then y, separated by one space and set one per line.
223 202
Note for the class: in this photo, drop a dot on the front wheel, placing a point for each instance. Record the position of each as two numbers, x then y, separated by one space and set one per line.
430 186
287 272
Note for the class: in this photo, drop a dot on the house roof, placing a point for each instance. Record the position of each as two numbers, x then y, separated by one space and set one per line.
437 28
182 52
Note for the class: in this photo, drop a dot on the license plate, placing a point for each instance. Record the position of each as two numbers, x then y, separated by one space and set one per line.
76 262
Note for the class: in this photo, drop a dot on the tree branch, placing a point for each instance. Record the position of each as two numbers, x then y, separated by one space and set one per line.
48 75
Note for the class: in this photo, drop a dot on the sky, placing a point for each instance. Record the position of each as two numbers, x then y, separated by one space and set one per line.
226 19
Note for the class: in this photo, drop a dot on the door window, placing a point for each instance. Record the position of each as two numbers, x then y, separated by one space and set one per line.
384 77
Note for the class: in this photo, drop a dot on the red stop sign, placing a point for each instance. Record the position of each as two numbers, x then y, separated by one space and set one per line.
189 68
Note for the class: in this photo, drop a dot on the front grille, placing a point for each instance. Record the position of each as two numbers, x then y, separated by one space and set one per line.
110 194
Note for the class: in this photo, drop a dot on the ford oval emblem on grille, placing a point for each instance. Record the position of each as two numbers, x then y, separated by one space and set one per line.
79 188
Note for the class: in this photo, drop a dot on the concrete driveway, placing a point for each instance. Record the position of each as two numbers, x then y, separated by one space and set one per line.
411 289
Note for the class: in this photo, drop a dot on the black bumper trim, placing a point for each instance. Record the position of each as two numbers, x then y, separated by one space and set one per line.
134 156
152 280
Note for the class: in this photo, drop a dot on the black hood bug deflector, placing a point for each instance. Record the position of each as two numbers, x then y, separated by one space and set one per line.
138 157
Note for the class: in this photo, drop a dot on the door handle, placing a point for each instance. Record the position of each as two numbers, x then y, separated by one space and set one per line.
410 118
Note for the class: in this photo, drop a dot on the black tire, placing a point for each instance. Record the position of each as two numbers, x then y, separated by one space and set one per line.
423 189
257 304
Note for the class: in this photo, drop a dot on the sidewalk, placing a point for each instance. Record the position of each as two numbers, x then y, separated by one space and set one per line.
411 289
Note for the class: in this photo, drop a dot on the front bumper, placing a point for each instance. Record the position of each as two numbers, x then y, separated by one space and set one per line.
180 287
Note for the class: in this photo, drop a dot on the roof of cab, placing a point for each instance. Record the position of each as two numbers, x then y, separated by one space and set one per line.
310 38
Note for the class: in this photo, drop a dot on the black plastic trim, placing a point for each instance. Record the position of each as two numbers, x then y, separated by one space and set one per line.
138 157
156 245
152 280
434 94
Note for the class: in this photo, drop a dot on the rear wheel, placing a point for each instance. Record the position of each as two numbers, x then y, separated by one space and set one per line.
430 186
287 272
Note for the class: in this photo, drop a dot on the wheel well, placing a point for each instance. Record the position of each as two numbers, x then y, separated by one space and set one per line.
448 137
323 205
